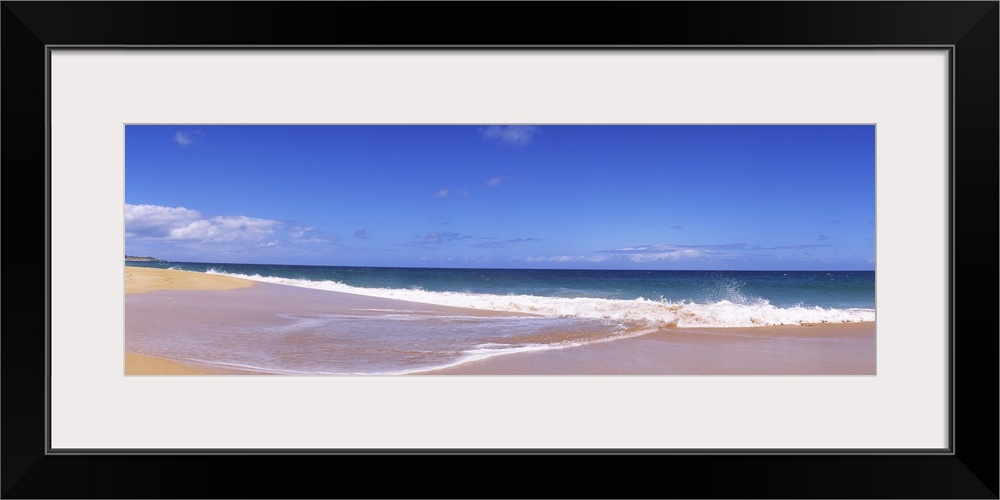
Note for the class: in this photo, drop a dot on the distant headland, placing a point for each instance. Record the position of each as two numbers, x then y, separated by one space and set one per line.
133 258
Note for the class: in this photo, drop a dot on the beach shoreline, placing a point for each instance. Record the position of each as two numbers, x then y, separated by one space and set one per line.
823 349
819 349
140 364
147 279
140 280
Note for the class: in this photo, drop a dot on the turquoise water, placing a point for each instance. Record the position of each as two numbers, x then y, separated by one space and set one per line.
825 289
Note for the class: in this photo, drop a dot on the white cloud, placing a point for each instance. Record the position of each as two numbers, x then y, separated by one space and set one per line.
443 237
226 229
578 258
156 221
183 140
667 255
513 135
496 181
185 226
299 231
305 235
445 193
565 258
433 239
665 251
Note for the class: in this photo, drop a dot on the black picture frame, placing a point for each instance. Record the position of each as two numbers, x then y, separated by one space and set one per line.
968 470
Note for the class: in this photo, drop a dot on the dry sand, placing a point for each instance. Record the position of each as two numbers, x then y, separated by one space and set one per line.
147 279
138 364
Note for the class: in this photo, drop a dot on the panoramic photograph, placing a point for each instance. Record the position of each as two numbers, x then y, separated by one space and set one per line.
495 249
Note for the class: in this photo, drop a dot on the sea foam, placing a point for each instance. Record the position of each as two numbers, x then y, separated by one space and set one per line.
655 313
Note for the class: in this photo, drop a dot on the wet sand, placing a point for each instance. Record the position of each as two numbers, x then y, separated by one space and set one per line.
183 297
144 279
824 349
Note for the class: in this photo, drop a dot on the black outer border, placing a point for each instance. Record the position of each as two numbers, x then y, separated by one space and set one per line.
971 28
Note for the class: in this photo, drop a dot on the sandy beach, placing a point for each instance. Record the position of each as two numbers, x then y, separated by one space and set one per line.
211 299
141 280
147 279
186 301
826 349
138 364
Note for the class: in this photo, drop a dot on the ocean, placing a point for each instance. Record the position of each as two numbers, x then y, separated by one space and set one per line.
504 311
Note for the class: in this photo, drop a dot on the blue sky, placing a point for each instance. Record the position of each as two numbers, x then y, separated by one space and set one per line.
771 197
